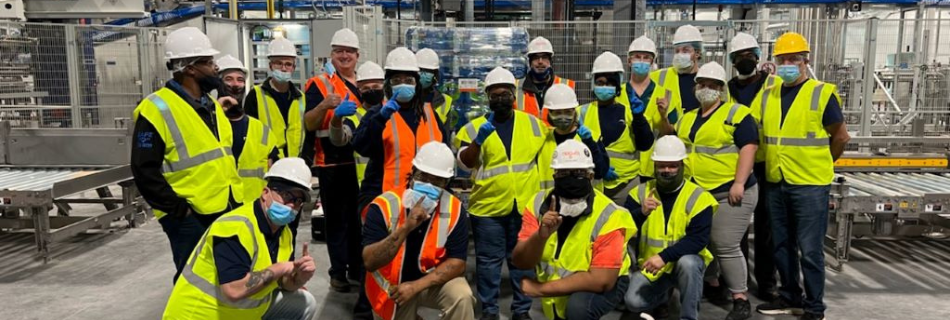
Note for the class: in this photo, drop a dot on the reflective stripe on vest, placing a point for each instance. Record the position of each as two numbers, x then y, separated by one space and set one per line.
184 160
598 225
810 139
519 97
270 122
517 168
663 77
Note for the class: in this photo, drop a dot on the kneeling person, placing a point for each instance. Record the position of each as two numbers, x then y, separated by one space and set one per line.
241 269
415 243
576 238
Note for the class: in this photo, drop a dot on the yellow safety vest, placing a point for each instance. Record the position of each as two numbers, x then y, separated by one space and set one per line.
623 154
201 168
798 151
654 118
713 157
443 110
657 234
360 160
500 181
771 82
253 162
197 294
577 251
289 132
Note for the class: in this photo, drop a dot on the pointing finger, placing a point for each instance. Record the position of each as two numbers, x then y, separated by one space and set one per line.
347 96
306 249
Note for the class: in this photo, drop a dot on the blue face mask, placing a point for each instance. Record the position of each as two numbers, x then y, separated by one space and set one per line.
280 214
789 73
605 93
540 76
405 92
280 76
426 79
429 190
640 68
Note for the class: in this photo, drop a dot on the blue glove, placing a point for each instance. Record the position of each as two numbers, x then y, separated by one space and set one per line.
584 132
485 130
346 108
611 175
390 107
636 105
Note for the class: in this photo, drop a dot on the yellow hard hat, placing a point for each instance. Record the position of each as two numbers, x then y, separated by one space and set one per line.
790 42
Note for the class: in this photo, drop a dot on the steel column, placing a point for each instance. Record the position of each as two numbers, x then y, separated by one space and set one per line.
867 82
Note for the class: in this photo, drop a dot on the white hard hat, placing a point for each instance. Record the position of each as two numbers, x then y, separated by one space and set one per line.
743 41
435 158
228 62
642 44
499 75
370 71
292 169
281 47
712 70
560 97
572 154
669 148
345 38
540 45
427 59
188 42
687 33
607 62
401 59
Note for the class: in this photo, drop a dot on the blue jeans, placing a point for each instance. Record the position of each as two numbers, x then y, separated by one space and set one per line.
799 222
495 239
687 276
593 306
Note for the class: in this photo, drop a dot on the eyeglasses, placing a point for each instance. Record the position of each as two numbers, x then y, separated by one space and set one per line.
290 197
580 173
500 96
402 80
204 62
284 65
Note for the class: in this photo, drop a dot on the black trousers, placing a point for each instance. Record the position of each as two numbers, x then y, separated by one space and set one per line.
183 234
363 310
339 190
764 259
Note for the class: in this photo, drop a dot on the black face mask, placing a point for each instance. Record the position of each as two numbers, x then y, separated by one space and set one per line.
209 83
235 111
501 106
572 187
669 182
236 92
372 97
745 66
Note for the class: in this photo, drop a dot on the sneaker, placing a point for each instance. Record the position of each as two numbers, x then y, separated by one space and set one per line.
521 316
812 316
777 307
340 285
489 316
741 310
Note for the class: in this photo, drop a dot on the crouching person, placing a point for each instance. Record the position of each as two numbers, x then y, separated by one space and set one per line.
576 239
415 243
242 267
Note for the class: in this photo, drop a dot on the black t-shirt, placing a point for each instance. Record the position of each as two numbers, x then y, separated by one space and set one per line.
231 259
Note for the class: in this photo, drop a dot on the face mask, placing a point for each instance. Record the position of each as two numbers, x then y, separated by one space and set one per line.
745 67
410 197
572 207
500 105
788 73
280 214
372 97
572 187
426 79
405 91
605 93
280 76
541 76
235 111
428 189
209 83
640 68
667 182
562 122
707 96
683 60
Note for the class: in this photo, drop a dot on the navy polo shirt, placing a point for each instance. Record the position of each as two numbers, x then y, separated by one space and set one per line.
231 259
746 132
744 94
832 113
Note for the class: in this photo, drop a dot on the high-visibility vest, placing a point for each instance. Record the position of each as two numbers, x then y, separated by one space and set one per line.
394 212
197 294
289 132
528 102
657 234
798 151
328 84
360 160
500 181
654 118
577 251
444 109
624 157
199 167
545 172
400 144
253 163
773 81
670 80
713 157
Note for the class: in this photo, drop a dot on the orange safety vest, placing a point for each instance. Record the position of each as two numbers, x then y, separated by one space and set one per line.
400 145
326 84
528 102
379 282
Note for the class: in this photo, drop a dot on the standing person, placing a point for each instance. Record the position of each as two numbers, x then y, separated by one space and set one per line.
502 149
429 77
530 94
617 123
674 217
416 243
661 109
799 165
335 165
576 238
561 108
722 140
681 77
746 88
243 267
180 159
369 81
255 146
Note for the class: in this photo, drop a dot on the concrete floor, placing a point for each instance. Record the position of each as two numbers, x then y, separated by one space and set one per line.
126 274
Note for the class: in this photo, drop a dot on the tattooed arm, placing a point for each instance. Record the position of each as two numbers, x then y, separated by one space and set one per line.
379 254
450 269
256 280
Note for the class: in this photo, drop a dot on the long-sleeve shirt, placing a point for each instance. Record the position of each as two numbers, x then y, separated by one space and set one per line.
697 231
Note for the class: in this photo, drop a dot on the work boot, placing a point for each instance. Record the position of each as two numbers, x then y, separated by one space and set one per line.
489 316
777 307
340 284
521 316
741 310
812 316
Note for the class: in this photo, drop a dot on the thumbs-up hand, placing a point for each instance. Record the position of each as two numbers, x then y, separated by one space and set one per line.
346 108
485 130
390 107
304 267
